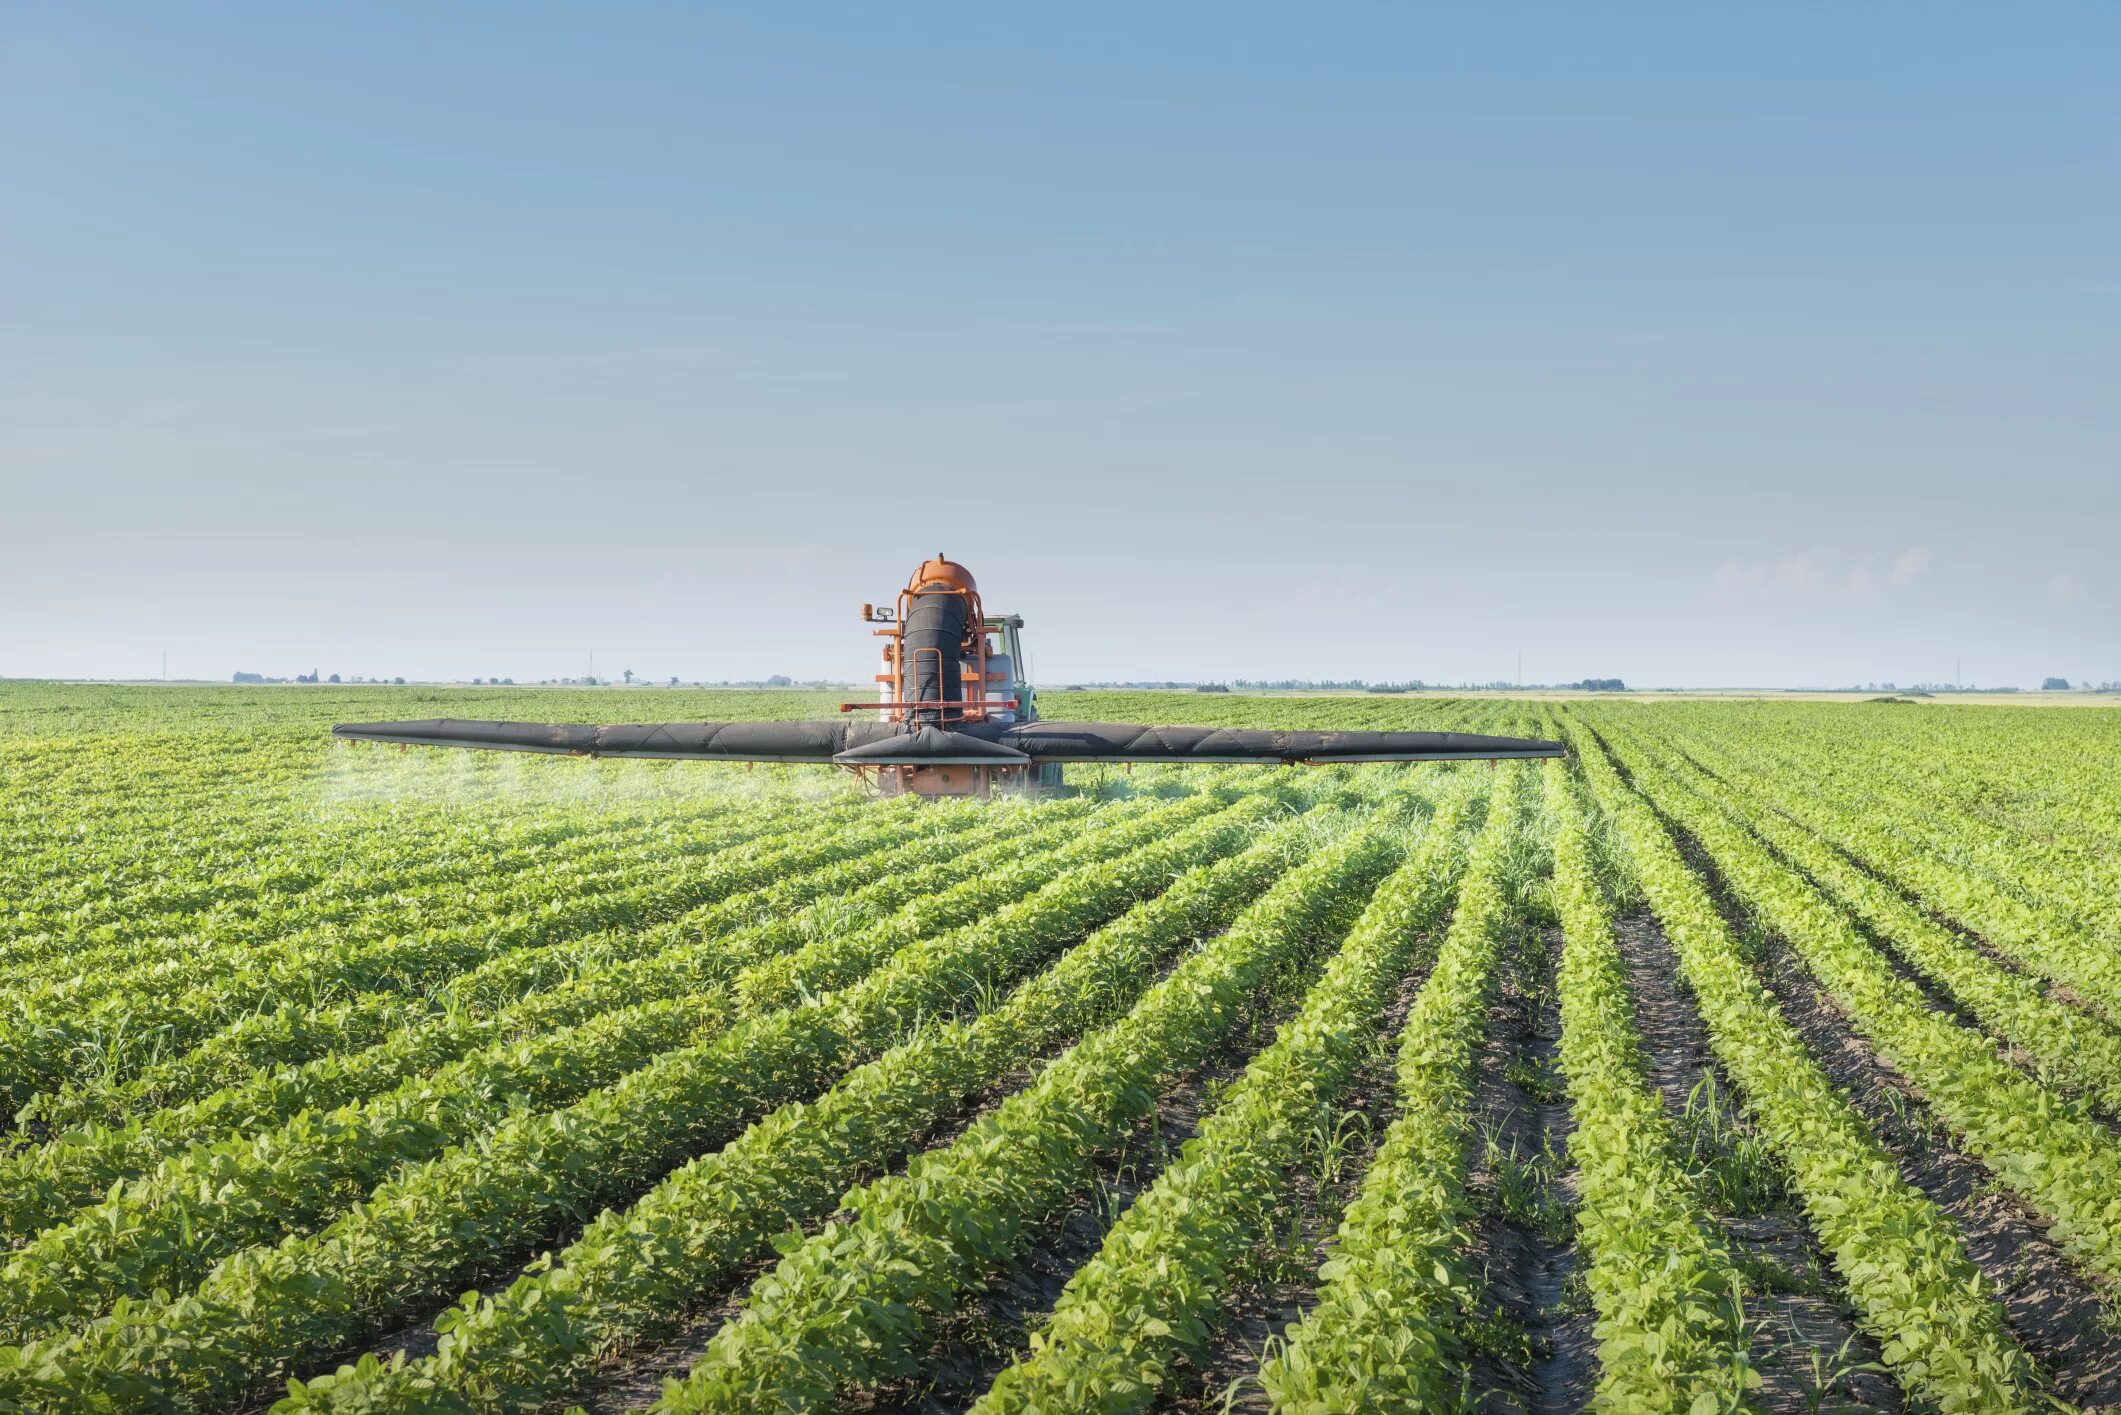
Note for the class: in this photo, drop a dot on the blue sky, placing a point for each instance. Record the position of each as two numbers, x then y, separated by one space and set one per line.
1692 344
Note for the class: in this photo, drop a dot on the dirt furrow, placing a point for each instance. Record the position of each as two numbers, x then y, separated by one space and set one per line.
1533 1348
1282 1285
2055 1311
991 1328
1806 1344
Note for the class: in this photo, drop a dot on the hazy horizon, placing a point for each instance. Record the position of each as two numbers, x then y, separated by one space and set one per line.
1734 347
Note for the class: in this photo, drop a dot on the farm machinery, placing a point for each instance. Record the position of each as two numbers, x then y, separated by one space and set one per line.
954 715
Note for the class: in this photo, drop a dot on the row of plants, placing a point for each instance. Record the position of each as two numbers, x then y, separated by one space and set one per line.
261 1046
1907 1273
474 879
39 1185
634 1271
2036 1142
475 1209
1393 1293
857 1303
607 861
2067 1045
239 867
92 1018
41 1047
132 829
1671 1325
1968 880
298 1032
1152 1292
167 1228
2039 794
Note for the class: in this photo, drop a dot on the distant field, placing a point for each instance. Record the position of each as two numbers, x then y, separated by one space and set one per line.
1766 1053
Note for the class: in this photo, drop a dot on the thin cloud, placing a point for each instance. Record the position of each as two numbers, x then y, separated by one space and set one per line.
1909 566
1822 574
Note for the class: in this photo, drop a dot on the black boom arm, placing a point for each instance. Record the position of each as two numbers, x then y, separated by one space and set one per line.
851 743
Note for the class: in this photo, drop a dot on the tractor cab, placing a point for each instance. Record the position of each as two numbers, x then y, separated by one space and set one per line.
948 664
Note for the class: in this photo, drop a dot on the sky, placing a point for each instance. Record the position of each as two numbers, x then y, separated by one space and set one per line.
1760 345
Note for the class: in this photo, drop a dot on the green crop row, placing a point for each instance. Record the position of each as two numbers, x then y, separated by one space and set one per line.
255 1050
472 1210
2075 1048
1153 1289
1671 1320
236 878
167 1229
1940 788
377 896
1962 879
632 1271
1384 1336
254 1047
1908 1275
500 1002
79 980
2067 1165
40 1049
855 1303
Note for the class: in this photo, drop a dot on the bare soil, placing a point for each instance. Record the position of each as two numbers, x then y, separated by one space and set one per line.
991 1328
1536 1352
1966 934
1806 1343
2059 1314
1283 1288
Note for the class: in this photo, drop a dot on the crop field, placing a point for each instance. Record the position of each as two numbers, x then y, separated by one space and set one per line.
1757 1056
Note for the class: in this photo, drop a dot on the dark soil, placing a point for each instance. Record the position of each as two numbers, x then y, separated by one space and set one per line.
1284 1287
633 1380
1536 1352
1806 1343
992 1327
1972 938
2058 1314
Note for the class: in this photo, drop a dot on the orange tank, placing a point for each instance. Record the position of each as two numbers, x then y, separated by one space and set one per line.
942 574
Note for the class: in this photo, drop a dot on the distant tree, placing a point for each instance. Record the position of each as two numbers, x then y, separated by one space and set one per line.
399 680
2054 685
628 675
333 679
1601 685
673 680
780 680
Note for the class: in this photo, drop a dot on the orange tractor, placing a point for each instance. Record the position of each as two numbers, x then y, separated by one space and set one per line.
957 717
